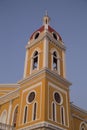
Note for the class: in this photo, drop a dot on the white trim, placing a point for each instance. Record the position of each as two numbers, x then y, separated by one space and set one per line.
9 85
9 96
9 112
13 113
85 126
28 95
60 96
31 60
35 35
5 120
52 111
26 60
36 111
31 89
58 60
41 125
63 91
24 114
45 53
62 107
64 64
59 44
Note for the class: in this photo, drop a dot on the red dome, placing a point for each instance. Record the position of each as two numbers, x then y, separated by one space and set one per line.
51 30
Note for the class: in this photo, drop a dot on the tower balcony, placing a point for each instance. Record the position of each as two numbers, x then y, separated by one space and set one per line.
6 127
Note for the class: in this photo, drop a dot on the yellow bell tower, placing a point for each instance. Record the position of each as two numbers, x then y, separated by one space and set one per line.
44 96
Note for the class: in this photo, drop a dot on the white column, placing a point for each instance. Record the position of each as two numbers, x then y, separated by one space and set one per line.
9 112
25 66
64 64
45 53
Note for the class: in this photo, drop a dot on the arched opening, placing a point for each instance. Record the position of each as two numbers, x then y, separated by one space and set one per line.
62 115
25 114
54 111
34 111
15 116
4 116
83 126
55 60
35 60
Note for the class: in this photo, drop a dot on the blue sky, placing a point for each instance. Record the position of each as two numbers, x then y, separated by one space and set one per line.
20 18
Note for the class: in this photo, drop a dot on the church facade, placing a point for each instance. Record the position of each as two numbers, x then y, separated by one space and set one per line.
41 100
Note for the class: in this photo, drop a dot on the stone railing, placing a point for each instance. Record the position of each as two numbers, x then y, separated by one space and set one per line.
6 127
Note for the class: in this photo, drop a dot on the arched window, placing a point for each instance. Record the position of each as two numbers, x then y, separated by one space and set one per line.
54 111
34 111
4 116
62 115
35 60
15 116
83 126
55 60
25 114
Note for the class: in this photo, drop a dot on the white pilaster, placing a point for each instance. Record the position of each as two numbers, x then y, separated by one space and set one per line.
45 53
64 65
25 66
9 112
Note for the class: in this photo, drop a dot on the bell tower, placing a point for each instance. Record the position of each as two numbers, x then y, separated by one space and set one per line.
45 49
44 100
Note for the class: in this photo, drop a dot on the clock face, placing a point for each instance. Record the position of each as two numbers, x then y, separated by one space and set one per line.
57 97
31 97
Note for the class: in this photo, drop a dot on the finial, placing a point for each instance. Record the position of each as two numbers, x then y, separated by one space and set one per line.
46 12
46 18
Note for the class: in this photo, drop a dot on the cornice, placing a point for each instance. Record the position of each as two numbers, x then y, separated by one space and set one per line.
78 109
46 71
42 125
10 96
49 36
9 85
78 117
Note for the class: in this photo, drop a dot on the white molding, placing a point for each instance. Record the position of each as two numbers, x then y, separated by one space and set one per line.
9 96
64 64
17 105
46 70
31 60
62 107
63 91
26 60
9 112
41 125
58 60
31 88
45 53
46 34
9 85
24 114
1 117
83 123
52 111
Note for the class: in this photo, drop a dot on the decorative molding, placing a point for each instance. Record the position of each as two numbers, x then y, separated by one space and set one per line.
10 96
46 34
50 72
80 110
42 125
9 85
9 112
63 91
45 53
25 66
